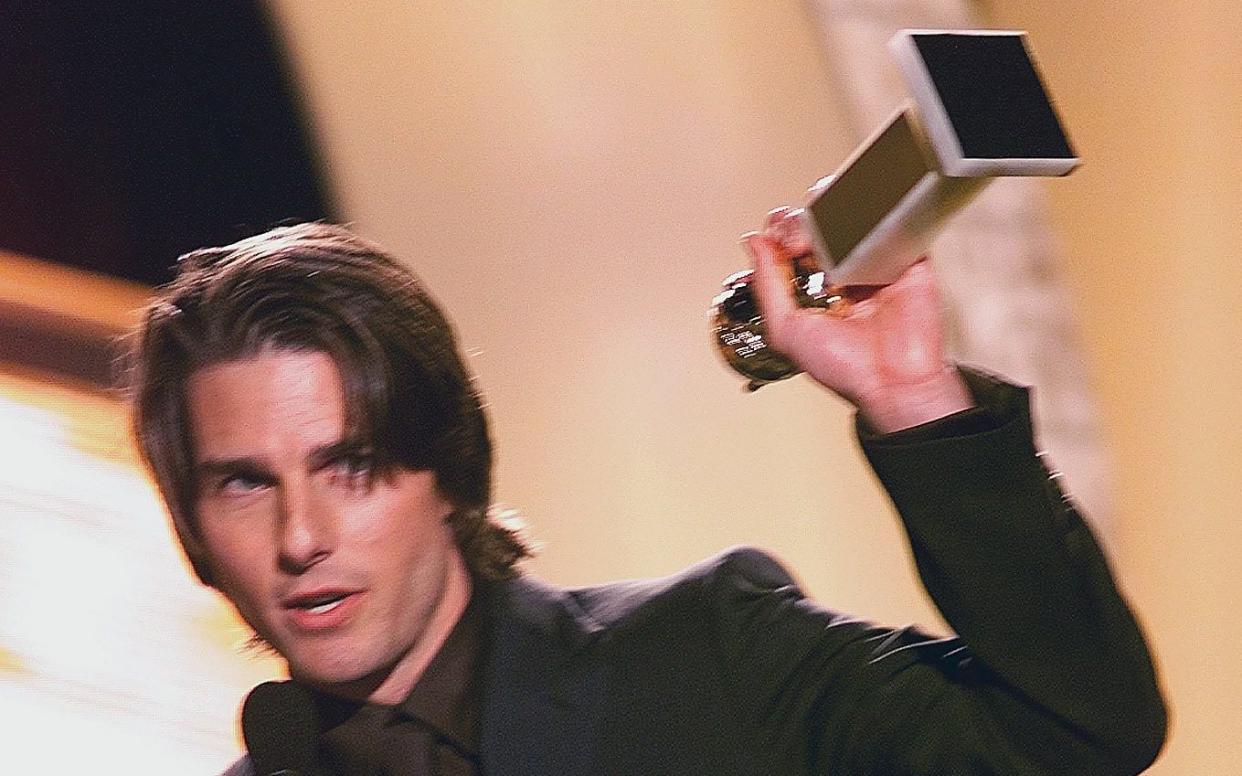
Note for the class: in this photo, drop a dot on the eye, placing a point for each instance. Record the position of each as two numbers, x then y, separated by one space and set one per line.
240 484
354 470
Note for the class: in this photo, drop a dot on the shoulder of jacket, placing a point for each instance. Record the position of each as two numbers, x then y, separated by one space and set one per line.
737 568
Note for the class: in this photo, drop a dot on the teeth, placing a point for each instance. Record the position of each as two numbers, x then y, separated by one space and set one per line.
326 606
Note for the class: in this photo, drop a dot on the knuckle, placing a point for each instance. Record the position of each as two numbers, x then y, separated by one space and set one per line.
776 215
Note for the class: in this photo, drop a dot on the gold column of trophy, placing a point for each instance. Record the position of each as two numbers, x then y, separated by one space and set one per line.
979 110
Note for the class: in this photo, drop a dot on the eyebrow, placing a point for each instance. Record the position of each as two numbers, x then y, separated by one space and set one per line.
318 457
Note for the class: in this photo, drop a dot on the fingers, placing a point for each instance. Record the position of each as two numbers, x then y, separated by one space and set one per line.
788 227
773 253
775 216
771 284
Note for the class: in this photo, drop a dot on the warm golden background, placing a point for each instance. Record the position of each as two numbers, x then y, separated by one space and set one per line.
1151 231
570 178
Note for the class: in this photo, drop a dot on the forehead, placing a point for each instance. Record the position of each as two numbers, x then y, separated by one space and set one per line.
275 403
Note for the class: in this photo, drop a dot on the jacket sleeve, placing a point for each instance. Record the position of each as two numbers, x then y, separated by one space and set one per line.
1048 674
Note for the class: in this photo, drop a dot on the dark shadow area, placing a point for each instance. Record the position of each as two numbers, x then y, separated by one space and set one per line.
133 132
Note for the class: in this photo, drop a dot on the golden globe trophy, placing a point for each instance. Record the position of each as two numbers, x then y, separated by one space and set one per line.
978 110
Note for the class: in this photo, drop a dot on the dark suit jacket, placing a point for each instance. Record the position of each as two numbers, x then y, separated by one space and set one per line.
726 668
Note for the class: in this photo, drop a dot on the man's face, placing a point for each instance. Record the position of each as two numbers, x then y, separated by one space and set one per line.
349 574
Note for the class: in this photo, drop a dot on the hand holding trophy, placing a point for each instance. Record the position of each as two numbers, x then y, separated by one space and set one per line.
979 111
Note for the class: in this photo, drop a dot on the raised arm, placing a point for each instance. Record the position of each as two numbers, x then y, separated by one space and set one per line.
1049 672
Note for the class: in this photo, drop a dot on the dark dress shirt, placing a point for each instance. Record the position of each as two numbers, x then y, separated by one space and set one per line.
434 731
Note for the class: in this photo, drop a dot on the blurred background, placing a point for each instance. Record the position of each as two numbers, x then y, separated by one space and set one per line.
570 180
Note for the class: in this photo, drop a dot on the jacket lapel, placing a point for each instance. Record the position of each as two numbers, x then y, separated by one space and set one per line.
544 689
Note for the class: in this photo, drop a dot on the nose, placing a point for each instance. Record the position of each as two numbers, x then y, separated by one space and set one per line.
306 527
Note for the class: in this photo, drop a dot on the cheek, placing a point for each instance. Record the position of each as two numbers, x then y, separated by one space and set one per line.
237 560
406 546
406 520
407 535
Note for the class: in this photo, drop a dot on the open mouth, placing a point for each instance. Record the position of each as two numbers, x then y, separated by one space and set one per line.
322 609
321 604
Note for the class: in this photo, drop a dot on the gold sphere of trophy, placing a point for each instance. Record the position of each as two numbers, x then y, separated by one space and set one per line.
738 327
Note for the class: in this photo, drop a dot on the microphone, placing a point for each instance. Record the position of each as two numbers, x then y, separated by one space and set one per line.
281 729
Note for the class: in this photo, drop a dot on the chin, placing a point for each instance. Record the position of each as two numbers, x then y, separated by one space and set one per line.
333 664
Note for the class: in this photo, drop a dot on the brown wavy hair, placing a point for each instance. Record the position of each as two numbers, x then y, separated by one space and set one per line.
319 287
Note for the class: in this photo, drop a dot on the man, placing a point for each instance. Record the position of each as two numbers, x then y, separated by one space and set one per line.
326 463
